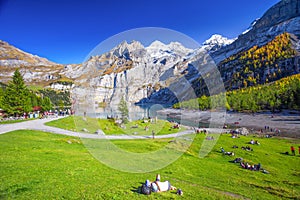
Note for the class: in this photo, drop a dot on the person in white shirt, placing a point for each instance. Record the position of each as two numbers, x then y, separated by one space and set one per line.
159 186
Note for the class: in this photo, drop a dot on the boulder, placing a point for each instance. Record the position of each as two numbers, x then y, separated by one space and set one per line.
99 132
243 131
85 130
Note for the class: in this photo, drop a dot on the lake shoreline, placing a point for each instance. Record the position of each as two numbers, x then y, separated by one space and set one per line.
287 121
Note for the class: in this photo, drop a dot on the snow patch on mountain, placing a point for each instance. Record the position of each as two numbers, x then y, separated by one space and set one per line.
251 26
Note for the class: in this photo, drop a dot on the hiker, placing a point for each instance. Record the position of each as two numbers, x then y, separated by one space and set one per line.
293 150
153 133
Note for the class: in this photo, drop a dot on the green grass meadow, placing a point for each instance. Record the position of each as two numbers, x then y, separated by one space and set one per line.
39 165
109 127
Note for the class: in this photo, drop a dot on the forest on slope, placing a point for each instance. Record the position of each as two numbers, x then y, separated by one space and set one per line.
275 96
259 65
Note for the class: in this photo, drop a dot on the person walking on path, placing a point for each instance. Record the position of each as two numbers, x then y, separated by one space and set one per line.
293 150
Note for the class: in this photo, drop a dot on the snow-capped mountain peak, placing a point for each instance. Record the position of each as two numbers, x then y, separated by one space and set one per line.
157 45
219 40
159 49
214 43
176 46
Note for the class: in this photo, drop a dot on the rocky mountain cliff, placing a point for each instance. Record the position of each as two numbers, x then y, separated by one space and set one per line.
130 70
282 17
35 70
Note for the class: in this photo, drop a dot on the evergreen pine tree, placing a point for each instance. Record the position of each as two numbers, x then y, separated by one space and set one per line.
123 108
1 97
16 97
61 104
47 105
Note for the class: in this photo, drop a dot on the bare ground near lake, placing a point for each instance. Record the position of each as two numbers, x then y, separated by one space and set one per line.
287 121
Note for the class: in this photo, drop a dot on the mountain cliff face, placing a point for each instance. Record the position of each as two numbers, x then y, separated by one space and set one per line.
33 68
282 17
269 50
131 70
166 73
262 64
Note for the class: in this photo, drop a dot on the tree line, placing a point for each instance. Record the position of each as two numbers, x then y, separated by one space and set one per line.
275 96
16 99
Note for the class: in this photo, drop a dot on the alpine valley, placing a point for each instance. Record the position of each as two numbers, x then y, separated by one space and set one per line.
163 73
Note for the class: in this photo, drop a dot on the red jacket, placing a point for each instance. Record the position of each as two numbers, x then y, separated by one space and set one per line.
292 148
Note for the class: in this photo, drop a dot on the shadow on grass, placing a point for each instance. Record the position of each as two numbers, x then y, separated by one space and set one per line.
287 153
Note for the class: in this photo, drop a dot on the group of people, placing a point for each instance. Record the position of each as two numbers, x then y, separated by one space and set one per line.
200 130
246 165
254 142
267 128
158 186
270 131
250 167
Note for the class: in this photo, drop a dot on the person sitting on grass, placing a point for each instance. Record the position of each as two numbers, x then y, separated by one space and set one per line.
227 152
238 160
247 148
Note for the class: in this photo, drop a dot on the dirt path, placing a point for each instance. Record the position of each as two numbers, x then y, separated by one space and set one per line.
39 125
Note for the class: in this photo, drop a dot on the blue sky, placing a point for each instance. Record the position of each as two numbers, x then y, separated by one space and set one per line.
65 31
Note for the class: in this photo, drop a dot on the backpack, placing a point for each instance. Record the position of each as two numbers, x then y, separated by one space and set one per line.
146 189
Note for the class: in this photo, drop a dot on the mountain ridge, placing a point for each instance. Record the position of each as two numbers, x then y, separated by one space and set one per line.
145 74
282 17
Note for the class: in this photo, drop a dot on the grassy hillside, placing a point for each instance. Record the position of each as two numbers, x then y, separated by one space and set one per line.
38 165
